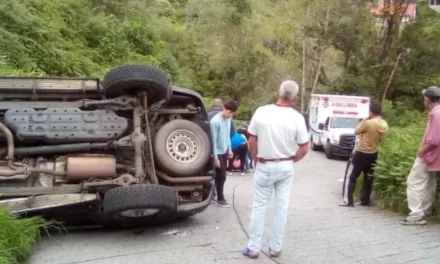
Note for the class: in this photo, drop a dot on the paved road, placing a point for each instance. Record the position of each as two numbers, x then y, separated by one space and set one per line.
318 231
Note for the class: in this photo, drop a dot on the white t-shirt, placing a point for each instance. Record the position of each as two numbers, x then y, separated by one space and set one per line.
279 130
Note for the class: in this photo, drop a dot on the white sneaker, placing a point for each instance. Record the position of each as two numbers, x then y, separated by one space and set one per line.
242 174
230 174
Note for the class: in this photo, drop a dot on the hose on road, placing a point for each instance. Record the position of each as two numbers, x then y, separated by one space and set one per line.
241 223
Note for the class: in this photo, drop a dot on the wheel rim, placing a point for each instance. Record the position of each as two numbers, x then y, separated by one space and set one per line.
183 146
138 213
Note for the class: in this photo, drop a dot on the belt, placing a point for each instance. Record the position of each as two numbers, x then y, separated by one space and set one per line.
262 160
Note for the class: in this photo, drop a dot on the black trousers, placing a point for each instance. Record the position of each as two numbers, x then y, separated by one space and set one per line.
220 176
240 153
362 163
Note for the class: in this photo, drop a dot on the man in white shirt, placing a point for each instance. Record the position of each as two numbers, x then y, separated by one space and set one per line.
278 138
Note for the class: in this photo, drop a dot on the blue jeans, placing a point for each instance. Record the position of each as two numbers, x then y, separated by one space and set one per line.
246 165
268 177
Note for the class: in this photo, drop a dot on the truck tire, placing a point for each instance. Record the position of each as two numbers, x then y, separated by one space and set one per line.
139 204
132 79
181 148
328 151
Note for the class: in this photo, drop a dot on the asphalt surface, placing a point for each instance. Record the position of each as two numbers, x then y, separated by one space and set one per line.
318 231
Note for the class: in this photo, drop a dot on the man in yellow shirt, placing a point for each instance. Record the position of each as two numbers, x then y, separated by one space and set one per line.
370 132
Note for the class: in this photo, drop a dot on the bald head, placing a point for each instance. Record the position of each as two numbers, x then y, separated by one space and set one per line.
288 90
217 103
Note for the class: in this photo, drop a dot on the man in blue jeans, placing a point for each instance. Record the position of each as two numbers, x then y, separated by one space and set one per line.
249 161
278 138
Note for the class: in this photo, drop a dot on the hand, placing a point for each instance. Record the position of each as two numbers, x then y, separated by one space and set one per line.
419 154
217 163
230 155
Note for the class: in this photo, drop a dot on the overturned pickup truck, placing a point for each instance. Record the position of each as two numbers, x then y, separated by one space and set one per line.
134 150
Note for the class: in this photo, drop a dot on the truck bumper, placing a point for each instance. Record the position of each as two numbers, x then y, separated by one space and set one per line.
341 151
189 209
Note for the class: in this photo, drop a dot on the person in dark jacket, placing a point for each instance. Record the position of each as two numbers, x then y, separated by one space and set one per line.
244 128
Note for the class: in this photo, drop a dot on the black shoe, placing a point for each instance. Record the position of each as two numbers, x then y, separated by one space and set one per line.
223 203
345 204
363 204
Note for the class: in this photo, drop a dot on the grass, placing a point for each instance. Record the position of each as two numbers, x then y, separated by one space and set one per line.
18 236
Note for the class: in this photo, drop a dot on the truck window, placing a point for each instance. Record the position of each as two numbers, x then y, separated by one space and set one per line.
344 122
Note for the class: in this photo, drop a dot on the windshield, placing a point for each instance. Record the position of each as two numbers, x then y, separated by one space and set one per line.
344 122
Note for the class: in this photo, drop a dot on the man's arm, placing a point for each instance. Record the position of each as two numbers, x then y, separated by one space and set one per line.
383 131
302 139
361 127
432 136
253 148
229 140
253 135
214 133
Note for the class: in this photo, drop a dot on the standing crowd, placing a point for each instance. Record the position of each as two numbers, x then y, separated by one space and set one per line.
277 138
421 180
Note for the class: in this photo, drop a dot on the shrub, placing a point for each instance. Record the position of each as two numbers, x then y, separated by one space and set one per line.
17 236
401 114
396 157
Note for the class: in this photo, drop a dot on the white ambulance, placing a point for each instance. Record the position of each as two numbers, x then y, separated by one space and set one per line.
333 120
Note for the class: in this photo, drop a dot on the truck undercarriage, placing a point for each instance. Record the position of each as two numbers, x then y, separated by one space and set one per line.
135 151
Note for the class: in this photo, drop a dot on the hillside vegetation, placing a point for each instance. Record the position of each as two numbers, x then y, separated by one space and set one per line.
240 49
17 237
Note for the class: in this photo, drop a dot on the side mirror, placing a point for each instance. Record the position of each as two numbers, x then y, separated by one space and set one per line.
321 126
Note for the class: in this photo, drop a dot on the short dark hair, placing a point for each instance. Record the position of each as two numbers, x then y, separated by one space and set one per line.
376 109
231 106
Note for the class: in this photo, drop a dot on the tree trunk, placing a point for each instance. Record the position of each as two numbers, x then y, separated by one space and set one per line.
303 83
390 79
322 52
321 56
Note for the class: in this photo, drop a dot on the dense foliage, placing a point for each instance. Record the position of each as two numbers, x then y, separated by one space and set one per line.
238 49
397 155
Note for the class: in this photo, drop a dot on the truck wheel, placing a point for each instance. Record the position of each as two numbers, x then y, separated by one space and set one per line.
132 79
328 151
139 204
181 148
314 146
